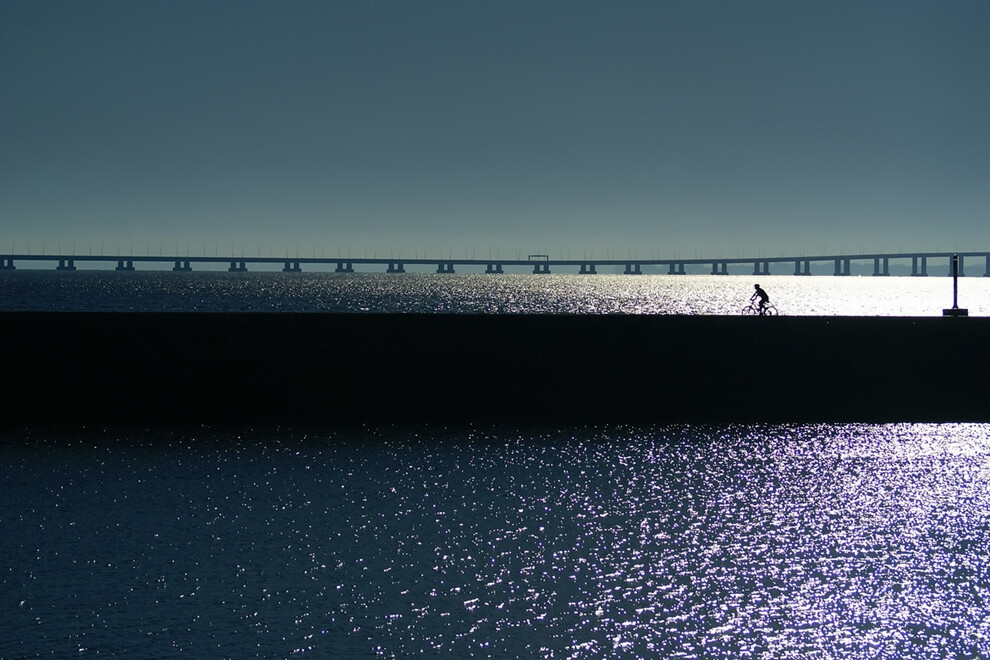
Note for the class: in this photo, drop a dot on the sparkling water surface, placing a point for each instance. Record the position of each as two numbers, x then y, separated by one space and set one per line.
480 293
814 541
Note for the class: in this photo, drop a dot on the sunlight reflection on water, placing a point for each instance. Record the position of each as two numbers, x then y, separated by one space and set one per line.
478 293
853 541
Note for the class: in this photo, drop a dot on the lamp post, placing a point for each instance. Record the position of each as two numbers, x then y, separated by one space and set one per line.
955 310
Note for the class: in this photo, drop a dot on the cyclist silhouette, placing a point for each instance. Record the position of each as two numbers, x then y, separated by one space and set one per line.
762 295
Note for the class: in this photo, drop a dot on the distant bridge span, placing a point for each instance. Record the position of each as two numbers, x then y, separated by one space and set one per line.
539 263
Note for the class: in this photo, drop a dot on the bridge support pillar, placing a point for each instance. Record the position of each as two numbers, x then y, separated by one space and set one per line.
588 269
986 270
236 267
761 268
445 267
125 265
807 267
881 266
396 267
8 264
923 262
494 269
182 266
541 269
291 267
66 264
841 267
344 267
720 268
633 269
676 268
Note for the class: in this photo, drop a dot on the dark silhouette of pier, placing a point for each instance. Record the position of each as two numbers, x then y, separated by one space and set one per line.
835 264
326 369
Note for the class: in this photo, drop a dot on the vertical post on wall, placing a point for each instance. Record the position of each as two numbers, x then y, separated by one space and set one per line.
955 311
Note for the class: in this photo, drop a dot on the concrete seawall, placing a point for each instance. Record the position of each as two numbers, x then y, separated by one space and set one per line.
325 369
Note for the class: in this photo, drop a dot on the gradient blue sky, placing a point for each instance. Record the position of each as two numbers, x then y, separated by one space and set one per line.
701 128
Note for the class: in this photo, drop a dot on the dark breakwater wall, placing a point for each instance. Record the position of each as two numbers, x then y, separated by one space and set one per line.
327 369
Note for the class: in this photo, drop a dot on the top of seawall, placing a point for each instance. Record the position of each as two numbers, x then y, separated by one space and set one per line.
328 369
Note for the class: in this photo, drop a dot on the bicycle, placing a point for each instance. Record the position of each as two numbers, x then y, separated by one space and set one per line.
753 309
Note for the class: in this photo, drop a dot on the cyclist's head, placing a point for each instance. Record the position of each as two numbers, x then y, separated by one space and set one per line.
756 286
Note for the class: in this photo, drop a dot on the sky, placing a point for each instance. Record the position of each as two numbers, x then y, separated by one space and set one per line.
644 129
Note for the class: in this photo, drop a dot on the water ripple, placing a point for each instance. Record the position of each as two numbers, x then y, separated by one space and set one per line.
819 541
481 294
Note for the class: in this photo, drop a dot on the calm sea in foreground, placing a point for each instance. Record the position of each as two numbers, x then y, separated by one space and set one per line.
683 541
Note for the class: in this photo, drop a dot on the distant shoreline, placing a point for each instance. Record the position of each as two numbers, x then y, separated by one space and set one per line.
326 369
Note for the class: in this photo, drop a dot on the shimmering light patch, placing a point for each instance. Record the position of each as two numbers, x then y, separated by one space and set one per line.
479 293
858 541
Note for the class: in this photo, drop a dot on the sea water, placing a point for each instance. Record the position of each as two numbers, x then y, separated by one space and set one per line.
766 541
805 541
484 294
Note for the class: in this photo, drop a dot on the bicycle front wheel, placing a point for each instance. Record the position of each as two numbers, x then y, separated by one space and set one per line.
750 310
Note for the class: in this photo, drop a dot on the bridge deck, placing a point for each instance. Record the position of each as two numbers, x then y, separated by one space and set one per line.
539 263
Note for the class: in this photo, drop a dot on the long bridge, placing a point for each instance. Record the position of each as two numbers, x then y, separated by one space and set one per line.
539 263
